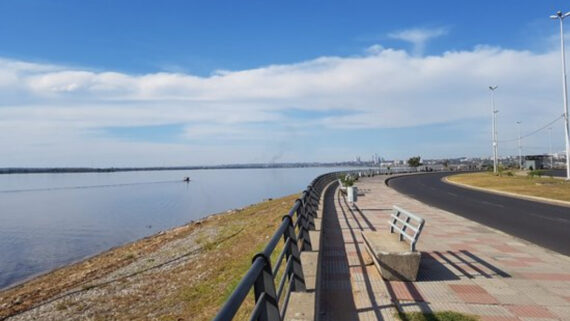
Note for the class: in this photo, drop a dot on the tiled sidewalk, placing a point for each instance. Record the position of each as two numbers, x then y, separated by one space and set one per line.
466 267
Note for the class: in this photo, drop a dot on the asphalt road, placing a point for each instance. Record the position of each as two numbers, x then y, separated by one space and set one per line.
540 223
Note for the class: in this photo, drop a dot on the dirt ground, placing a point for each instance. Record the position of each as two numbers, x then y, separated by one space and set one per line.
185 273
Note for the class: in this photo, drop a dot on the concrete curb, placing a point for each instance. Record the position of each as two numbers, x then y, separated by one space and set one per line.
509 194
396 175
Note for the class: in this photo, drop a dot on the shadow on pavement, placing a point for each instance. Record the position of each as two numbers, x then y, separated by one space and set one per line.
339 300
455 265
336 299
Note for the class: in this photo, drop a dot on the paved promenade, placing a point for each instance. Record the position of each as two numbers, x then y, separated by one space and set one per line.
466 267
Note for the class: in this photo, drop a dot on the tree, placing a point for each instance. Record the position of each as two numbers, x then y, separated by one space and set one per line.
445 163
414 161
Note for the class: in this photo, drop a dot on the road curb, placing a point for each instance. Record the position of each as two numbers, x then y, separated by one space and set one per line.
509 194
396 175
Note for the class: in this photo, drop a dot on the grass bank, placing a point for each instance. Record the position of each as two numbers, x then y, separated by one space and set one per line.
185 273
544 187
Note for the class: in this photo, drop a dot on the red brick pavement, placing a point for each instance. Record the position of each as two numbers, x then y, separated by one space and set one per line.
466 267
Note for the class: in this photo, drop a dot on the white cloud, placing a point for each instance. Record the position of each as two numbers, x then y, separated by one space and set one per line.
419 37
47 110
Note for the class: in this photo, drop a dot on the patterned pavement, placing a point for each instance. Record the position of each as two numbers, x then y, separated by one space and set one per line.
466 267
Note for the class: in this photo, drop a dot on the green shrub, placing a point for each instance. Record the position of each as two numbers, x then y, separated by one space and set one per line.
347 180
536 172
500 169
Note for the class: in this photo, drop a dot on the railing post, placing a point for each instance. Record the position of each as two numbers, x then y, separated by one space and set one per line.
266 284
296 275
397 214
404 228
312 206
417 234
303 228
312 209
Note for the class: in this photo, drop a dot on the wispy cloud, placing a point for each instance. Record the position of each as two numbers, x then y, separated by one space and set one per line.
61 113
419 37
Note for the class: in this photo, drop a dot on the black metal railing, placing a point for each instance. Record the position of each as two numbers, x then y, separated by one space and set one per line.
271 301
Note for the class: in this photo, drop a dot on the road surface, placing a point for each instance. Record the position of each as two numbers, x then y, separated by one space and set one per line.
540 223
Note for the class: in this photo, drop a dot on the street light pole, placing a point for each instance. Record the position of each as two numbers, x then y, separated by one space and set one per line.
550 147
561 17
520 146
494 133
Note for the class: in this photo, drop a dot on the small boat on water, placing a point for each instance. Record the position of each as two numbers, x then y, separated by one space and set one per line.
186 179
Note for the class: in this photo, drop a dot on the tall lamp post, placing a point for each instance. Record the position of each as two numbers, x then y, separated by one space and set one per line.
550 147
520 146
560 16
494 133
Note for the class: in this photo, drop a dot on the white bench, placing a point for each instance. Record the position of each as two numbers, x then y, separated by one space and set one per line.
394 253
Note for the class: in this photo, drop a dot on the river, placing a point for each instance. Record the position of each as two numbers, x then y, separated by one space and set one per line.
50 220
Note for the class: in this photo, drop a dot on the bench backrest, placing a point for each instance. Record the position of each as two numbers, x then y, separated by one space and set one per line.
407 225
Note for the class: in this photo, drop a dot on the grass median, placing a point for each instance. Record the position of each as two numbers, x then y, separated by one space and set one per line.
544 187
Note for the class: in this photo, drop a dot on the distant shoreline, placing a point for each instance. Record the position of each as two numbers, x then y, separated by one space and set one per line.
55 170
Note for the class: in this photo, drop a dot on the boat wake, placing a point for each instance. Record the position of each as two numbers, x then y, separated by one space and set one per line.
86 186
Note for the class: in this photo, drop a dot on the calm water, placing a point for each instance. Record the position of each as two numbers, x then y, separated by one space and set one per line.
49 220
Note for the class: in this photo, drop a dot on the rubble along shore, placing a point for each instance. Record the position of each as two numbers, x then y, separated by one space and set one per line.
184 273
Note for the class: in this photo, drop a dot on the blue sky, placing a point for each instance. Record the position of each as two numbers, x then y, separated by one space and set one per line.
123 83
199 37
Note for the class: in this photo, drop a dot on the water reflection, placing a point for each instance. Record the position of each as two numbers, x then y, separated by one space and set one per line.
49 220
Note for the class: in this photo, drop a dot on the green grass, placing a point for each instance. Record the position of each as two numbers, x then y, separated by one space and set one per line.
224 261
552 188
436 316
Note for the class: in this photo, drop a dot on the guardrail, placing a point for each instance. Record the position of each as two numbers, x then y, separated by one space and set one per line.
271 301
294 231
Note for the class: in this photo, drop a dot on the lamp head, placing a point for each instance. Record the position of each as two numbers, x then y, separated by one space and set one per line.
560 15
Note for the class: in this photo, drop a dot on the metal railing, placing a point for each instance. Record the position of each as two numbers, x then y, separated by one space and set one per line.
294 231
271 301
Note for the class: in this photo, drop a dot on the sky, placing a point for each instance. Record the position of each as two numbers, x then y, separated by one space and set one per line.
170 83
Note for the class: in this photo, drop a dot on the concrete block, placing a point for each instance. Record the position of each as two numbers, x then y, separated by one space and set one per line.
301 307
391 256
318 224
309 262
315 237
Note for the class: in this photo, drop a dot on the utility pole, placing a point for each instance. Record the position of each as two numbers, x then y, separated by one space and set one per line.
494 130
550 147
561 17
520 147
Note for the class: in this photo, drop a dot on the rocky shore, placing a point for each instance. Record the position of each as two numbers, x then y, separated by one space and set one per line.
184 273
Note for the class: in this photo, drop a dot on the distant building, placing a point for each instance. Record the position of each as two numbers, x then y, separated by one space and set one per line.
532 162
